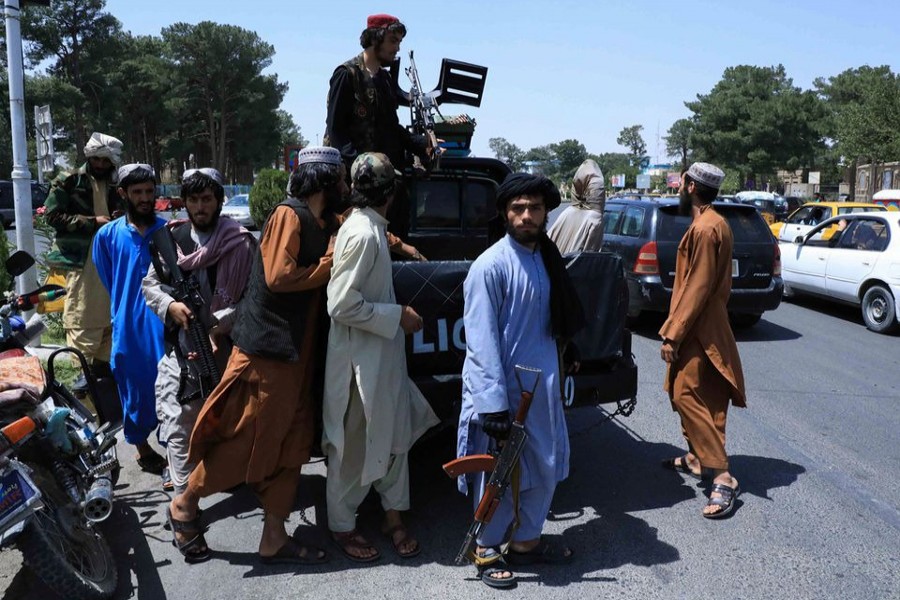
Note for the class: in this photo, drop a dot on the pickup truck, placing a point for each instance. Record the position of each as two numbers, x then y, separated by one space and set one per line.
453 219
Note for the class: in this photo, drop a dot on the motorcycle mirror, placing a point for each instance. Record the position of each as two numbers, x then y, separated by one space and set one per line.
19 262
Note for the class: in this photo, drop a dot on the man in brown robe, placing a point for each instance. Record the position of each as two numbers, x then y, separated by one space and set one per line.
704 368
256 427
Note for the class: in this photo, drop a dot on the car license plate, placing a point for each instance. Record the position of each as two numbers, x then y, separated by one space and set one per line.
734 267
17 493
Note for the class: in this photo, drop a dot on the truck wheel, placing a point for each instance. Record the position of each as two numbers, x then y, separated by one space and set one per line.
878 310
744 320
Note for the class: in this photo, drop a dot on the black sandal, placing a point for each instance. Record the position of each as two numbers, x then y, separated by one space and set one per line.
152 463
725 501
195 549
546 553
680 464
293 553
491 563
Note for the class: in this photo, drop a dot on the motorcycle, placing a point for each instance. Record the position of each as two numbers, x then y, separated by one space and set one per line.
57 465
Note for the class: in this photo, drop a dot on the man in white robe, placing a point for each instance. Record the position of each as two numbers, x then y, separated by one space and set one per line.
373 413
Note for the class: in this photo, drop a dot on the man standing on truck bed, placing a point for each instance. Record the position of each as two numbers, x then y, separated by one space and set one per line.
519 308
704 367
362 108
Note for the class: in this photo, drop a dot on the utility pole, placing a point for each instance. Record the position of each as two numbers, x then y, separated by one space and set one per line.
21 176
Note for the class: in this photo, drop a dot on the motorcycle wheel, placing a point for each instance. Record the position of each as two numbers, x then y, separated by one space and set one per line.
74 561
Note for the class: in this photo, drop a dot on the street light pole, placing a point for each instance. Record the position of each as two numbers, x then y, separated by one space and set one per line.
21 176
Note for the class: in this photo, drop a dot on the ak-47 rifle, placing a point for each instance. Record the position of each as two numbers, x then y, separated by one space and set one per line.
501 465
186 290
422 107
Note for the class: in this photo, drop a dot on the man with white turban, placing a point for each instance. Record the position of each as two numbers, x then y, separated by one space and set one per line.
79 203
580 227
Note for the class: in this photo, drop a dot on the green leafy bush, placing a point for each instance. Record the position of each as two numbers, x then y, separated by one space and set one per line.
267 191
5 280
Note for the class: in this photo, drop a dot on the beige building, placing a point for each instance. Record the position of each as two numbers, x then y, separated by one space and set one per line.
886 177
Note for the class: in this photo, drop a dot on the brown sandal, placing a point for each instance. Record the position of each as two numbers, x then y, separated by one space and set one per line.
404 538
349 541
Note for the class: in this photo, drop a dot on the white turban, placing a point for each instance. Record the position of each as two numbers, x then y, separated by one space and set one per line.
104 146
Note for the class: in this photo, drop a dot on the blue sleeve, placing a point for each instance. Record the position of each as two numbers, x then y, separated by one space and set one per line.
101 257
485 376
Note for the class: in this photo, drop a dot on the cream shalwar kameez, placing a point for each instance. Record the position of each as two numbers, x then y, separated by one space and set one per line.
373 412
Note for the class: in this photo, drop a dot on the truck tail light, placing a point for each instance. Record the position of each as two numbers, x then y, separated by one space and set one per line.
647 262
776 263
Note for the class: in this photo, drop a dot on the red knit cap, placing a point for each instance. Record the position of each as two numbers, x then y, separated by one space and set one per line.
378 21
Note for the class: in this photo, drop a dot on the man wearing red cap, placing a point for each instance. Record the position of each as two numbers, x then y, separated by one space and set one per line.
362 106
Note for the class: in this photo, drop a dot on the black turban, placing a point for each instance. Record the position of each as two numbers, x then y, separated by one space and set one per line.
566 312
523 184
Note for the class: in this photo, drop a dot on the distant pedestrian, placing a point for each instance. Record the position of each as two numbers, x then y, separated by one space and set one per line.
580 226
704 368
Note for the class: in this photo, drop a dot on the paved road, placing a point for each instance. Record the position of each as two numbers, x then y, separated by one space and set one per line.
815 452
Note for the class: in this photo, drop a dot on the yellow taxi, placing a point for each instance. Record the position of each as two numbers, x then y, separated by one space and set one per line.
809 215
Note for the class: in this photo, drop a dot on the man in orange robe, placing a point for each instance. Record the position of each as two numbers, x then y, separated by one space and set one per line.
704 367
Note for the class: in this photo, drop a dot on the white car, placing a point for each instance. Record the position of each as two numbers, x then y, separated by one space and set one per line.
238 208
860 266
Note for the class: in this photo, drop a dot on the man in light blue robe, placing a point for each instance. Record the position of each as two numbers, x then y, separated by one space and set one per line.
507 318
121 251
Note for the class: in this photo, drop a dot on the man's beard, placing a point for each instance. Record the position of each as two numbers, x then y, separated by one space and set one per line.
139 218
100 173
211 226
684 204
335 202
525 237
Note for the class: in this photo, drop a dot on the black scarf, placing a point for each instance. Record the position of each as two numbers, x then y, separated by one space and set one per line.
566 311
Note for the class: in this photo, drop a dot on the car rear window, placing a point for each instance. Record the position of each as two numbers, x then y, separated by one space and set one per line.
746 224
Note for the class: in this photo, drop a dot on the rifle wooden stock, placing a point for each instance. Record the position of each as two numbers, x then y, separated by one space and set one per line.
524 406
475 463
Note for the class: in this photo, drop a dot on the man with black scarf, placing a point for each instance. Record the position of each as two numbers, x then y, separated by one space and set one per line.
520 308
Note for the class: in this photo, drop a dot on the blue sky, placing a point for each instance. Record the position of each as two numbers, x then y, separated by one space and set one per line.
561 69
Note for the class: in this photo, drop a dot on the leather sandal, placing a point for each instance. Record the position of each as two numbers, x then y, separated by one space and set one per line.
680 464
195 549
491 562
725 501
404 538
353 540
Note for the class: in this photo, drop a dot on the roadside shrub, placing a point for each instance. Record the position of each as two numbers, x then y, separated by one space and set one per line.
267 191
5 280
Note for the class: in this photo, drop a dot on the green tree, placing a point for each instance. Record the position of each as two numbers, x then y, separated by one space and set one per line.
544 160
267 191
863 114
83 44
569 156
755 121
288 134
219 68
617 163
631 138
678 142
508 152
